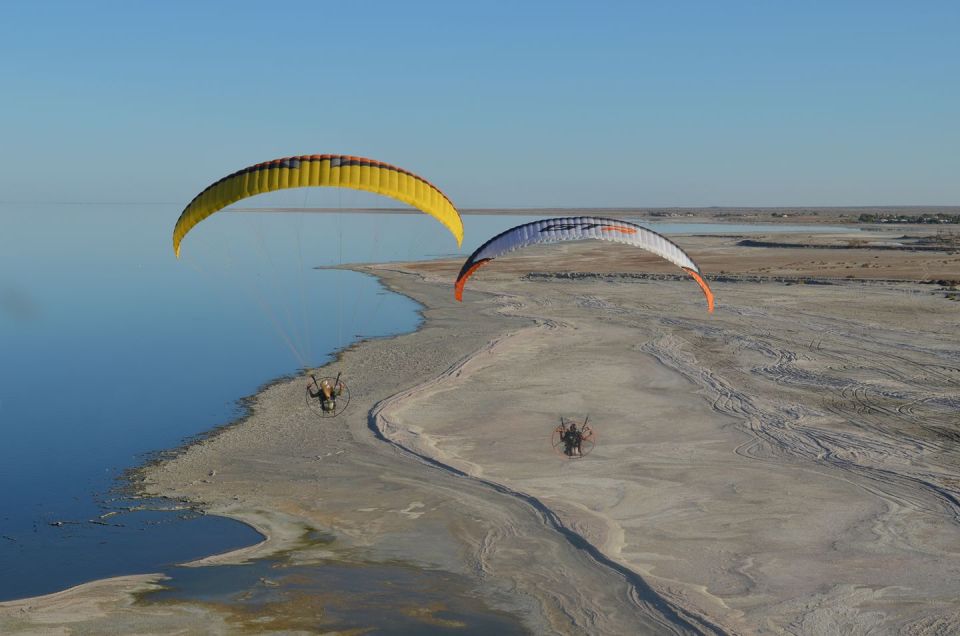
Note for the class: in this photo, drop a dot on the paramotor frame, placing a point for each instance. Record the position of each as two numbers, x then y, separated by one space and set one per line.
587 442
315 404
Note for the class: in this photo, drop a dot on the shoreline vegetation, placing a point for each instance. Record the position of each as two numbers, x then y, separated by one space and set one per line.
789 464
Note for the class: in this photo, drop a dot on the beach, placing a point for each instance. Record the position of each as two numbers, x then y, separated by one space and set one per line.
788 464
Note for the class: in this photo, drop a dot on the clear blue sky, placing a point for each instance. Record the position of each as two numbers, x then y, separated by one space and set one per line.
499 103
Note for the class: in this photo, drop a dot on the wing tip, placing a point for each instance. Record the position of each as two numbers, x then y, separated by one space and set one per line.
707 292
458 231
466 273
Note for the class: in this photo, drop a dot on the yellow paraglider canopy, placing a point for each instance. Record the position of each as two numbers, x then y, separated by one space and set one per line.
342 171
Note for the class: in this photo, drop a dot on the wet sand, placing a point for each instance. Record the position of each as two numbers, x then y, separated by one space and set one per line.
788 464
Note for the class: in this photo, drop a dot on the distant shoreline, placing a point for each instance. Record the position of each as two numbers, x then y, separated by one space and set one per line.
803 215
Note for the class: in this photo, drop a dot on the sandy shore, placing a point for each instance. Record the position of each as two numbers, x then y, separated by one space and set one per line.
788 464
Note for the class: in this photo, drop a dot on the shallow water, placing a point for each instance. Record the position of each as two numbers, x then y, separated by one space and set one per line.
335 596
110 348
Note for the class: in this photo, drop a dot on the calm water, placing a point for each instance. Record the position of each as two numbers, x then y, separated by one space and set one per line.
110 349
343 595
